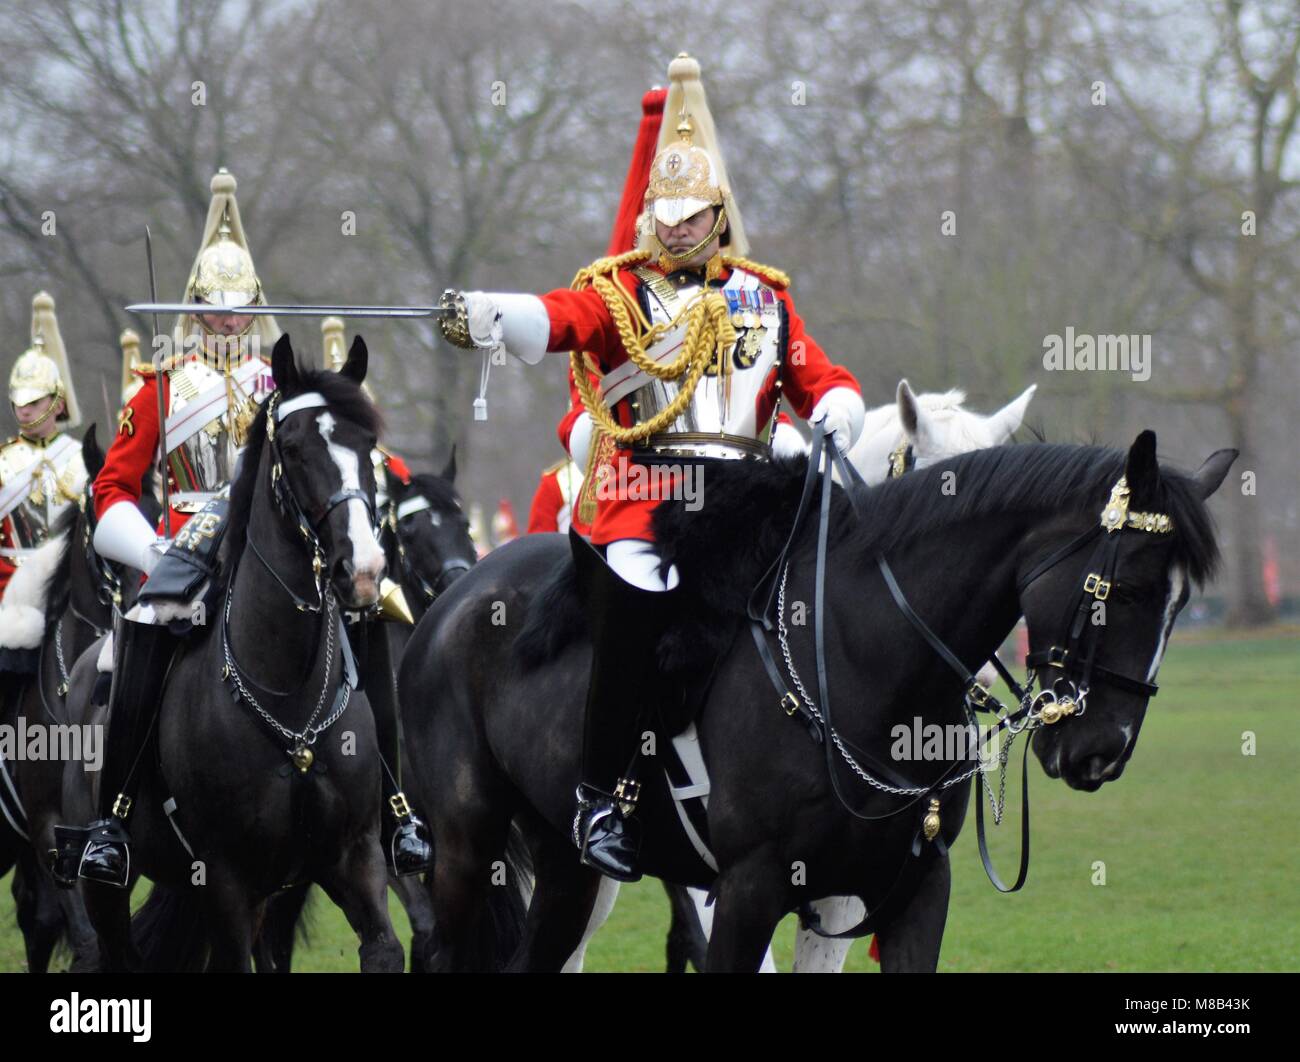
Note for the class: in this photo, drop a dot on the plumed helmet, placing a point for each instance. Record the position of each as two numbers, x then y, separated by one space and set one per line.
42 369
688 173
223 272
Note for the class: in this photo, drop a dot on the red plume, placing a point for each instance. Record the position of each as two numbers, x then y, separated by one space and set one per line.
623 236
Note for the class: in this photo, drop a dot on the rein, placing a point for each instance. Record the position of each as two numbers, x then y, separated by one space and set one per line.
298 742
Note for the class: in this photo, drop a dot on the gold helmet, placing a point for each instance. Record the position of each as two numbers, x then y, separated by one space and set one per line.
688 174
42 369
223 273
131 382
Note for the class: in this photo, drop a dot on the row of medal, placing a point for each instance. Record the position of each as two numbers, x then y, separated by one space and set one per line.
751 307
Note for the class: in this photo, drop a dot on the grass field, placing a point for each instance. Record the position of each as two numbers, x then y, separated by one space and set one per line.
1201 846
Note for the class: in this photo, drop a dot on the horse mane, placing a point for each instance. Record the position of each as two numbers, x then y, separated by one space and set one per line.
345 399
751 504
723 548
442 493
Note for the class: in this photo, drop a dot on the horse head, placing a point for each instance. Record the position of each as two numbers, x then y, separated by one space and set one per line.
432 533
1124 580
933 426
322 429
936 426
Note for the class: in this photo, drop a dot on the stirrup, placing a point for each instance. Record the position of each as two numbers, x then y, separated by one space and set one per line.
106 857
607 839
409 850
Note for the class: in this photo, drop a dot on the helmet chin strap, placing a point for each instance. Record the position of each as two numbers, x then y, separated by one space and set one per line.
52 411
669 261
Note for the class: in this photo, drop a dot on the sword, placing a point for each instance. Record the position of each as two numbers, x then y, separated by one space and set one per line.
204 309
158 386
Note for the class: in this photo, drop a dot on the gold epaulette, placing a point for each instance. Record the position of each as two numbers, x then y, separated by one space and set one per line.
142 370
775 277
550 470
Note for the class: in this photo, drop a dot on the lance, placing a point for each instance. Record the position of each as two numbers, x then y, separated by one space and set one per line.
158 386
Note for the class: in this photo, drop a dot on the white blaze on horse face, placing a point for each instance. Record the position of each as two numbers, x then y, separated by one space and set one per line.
367 556
1177 580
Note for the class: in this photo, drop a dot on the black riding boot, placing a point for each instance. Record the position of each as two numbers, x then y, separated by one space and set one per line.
404 837
626 693
101 851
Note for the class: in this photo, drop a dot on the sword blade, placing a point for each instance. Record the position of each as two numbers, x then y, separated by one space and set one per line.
289 311
158 387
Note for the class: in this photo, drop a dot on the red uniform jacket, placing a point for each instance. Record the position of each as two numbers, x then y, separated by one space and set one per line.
581 321
134 451
548 501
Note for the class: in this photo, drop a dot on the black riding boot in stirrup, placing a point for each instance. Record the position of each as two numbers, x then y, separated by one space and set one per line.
101 851
625 693
404 837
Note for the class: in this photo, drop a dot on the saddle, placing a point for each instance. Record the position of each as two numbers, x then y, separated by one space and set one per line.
192 560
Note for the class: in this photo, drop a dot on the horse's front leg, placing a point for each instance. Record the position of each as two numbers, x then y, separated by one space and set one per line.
358 883
910 941
750 904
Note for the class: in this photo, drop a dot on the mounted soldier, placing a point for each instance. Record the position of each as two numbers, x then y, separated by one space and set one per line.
41 475
212 380
696 345
217 375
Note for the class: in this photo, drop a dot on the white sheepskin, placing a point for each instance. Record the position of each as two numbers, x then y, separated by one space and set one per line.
22 611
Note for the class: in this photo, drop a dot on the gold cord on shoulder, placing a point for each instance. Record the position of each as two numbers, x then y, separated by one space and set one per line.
709 337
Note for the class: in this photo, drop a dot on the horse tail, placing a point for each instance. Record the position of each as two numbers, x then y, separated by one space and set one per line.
501 930
168 932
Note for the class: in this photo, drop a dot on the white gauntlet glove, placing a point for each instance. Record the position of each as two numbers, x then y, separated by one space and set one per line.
124 535
843 412
518 324
787 442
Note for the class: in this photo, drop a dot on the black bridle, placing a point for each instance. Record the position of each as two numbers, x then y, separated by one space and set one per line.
298 743
307 524
1065 696
450 569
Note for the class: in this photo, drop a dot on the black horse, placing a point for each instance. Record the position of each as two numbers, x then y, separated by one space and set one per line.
80 597
425 536
494 714
271 764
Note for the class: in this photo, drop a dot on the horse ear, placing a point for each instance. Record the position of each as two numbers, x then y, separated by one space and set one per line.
358 361
907 411
1141 468
283 366
1007 420
91 454
1210 475
449 473
917 423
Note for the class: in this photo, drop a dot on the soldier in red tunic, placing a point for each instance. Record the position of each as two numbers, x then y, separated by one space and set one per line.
217 375
697 345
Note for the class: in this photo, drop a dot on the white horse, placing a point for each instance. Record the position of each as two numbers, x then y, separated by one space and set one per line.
936 427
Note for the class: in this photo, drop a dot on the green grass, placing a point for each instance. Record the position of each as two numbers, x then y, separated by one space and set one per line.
1201 846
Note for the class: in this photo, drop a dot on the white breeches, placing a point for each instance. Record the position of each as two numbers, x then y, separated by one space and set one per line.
637 562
